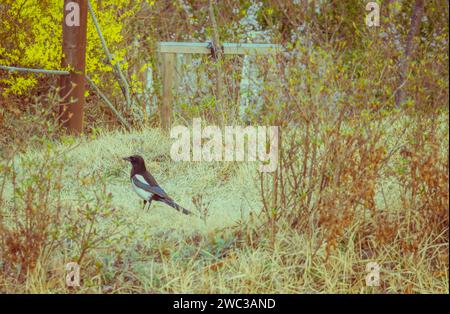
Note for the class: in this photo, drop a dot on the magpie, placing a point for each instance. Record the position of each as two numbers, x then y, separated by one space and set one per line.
145 185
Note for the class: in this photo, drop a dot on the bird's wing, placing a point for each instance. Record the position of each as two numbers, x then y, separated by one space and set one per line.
140 182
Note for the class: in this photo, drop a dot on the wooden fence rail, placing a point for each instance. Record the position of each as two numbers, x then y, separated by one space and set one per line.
168 52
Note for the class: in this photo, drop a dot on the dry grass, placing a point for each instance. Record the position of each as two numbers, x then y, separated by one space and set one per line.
234 251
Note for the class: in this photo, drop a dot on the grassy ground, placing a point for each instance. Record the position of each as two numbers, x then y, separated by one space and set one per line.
163 251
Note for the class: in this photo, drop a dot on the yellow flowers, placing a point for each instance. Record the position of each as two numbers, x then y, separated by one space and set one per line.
31 36
19 84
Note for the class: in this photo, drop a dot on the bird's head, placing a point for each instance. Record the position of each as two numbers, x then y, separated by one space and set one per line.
137 162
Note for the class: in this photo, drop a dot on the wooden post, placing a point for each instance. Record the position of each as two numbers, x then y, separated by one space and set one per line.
74 56
216 43
169 50
168 60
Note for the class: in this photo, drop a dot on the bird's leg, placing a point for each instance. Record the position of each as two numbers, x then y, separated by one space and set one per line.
149 203
145 202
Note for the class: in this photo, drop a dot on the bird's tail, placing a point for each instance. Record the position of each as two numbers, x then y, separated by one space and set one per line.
177 207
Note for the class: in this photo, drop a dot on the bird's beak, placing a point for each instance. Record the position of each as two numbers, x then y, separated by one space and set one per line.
127 159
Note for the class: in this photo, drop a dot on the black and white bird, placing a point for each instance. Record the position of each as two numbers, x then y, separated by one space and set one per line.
145 185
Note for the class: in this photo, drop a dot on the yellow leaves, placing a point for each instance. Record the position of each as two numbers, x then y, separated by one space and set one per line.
144 67
136 83
18 85
37 39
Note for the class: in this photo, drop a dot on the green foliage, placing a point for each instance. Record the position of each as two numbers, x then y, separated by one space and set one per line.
39 227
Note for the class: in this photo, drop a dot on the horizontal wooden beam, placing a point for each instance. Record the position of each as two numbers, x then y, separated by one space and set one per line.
229 48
